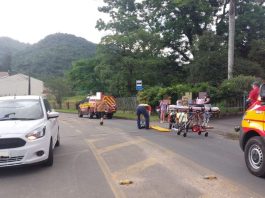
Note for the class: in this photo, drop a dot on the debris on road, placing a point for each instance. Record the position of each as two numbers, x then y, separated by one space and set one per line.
210 177
126 182
160 129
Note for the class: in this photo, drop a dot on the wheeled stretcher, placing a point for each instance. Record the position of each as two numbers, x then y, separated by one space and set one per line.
194 118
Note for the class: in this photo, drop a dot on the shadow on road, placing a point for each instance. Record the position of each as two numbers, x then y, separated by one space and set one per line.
21 170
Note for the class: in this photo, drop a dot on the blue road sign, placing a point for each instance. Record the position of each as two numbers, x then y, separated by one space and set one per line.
139 85
139 88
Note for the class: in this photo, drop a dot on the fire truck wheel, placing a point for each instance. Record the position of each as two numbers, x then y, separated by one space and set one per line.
109 116
255 156
80 115
90 115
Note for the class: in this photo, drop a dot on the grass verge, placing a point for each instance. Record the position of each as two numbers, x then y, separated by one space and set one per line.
129 115
66 110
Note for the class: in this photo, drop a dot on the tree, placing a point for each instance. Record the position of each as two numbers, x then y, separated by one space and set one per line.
246 67
59 88
209 63
131 52
84 78
175 41
6 63
250 25
257 52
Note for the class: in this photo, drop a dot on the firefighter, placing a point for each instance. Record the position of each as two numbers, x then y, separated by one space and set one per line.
101 108
253 94
145 111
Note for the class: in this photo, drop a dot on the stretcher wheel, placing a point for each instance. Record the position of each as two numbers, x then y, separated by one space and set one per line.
196 128
206 134
199 133
184 134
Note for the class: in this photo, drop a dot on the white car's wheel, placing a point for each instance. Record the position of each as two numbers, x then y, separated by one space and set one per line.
49 161
58 142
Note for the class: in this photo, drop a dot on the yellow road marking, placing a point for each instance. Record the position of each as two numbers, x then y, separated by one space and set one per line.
95 140
78 131
160 129
190 172
106 171
117 146
114 131
193 174
135 168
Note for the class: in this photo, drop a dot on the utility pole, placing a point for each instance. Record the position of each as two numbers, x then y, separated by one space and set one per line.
231 40
29 86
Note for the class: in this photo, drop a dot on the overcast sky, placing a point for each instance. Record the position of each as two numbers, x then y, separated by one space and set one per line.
29 21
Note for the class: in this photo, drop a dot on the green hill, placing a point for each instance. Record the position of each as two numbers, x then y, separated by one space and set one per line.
51 56
9 47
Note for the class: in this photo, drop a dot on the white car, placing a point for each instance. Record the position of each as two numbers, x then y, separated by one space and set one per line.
29 131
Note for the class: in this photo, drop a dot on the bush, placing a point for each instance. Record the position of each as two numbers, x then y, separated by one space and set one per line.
229 90
154 94
212 91
149 96
237 87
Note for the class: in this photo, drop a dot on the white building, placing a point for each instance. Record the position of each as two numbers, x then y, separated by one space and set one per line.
19 85
3 74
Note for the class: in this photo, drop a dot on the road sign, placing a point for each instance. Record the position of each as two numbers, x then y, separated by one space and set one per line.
139 85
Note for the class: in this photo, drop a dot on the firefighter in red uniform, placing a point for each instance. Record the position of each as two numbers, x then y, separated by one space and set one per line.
253 94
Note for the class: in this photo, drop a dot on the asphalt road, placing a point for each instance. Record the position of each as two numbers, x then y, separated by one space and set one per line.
92 161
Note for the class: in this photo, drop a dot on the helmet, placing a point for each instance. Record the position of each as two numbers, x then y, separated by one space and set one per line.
255 83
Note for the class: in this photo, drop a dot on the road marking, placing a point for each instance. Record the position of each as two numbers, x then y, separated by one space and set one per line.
135 168
106 171
107 131
95 140
98 135
117 146
78 131
192 174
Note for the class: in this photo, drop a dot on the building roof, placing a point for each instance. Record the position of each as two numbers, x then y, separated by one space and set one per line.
19 85
18 77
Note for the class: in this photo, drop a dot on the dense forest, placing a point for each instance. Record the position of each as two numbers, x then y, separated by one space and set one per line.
167 42
50 57
9 47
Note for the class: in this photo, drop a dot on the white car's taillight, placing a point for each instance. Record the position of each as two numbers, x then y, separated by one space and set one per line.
35 134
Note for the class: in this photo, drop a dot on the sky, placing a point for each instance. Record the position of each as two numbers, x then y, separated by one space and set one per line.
29 21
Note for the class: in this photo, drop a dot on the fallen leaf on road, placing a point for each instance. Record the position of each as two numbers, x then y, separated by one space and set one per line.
210 177
125 182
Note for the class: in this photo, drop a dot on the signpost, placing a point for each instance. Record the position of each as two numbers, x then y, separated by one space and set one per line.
139 85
